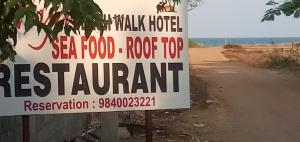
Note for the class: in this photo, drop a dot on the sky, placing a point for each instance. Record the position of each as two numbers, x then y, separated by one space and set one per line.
238 18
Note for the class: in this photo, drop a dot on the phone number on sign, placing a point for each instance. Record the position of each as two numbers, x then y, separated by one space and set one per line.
127 102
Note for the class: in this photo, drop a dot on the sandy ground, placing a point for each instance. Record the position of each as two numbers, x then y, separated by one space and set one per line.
251 104
247 104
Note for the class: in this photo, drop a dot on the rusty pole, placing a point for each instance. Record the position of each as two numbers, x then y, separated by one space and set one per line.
25 128
148 125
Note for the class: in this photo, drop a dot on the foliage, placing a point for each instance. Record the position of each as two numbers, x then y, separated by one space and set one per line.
195 44
176 1
279 60
285 58
288 8
192 43
295 52
7 30
192 4
232 46
65 15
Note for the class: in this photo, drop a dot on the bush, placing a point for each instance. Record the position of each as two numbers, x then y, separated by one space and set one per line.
195 44
232 46
279 59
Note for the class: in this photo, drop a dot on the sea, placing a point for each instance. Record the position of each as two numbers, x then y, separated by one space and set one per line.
211 42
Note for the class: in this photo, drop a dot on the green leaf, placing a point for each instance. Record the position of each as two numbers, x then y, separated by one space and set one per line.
58 27
32 7
39 28
54 18
74 30
7 51
88 29
68 30
84 7
51 11
297 13
19 14
28 23
55 4
271 17
83 14
14 35
47 3
268 17
12 55
271 3
288 8
9 5
68 5
277 12
48 31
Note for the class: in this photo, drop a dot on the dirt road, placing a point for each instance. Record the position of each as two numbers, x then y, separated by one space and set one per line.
251 104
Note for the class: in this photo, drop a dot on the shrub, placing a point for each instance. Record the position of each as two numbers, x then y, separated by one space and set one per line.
195 44
279 59
232 46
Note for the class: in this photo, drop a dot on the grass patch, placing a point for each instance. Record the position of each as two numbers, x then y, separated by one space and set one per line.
195 44
280 59
232 46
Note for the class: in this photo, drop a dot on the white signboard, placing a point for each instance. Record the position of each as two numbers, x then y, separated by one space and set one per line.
141 63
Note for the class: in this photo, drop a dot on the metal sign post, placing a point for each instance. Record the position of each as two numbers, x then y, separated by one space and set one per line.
25 128
148 125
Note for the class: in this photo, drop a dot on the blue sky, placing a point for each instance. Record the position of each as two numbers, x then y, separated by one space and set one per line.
238 18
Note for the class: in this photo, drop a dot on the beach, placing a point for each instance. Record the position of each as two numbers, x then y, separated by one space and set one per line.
232 101
250 103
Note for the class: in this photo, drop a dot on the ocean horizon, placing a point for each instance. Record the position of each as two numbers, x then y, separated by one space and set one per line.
211 42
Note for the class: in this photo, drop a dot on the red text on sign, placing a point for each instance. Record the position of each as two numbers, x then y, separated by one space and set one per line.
172 47
64 48
138 48
103 48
